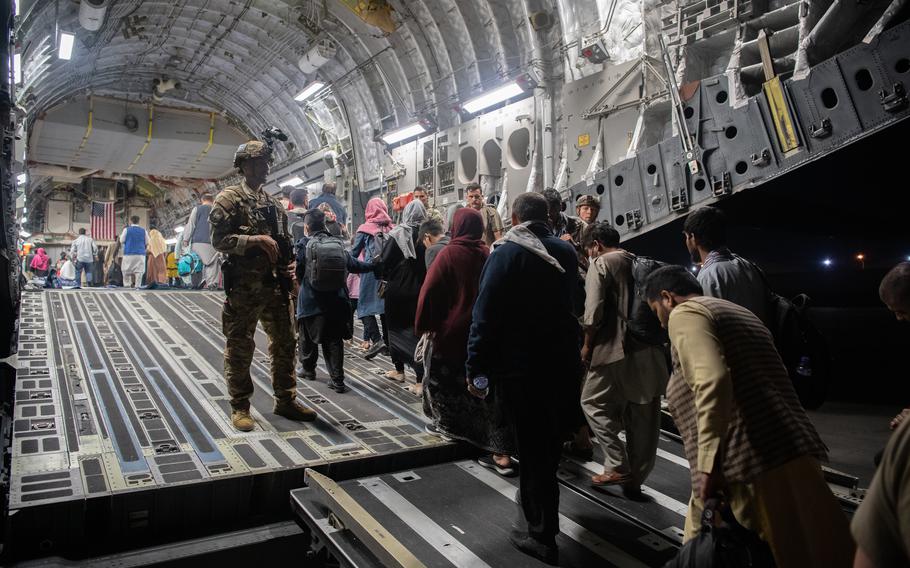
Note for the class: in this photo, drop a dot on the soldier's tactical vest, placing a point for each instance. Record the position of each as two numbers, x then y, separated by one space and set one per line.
252 217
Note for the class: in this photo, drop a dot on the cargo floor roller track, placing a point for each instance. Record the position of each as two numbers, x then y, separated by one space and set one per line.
409 518
122 422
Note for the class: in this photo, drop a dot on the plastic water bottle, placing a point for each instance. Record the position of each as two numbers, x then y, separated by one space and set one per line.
804 369
481 384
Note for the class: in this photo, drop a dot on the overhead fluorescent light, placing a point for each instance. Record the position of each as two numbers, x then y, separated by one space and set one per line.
309 91
178 229
290 181
495 96
17 68
24 234
65 46
171 241
408 131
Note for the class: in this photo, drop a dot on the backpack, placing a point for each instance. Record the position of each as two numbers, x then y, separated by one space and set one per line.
189 263
326 263
642 324
802 348
296 226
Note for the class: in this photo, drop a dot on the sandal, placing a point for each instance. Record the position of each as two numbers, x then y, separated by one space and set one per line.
489 462
611 478
395 376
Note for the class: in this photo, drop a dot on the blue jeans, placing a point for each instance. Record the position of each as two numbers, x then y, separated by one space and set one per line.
87 268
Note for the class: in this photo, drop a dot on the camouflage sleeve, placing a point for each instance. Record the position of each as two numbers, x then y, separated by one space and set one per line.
223 237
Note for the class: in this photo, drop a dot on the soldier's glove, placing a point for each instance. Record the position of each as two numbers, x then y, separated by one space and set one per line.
289 270
267 244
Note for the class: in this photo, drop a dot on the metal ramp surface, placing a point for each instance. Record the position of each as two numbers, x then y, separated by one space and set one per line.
460 514
122 422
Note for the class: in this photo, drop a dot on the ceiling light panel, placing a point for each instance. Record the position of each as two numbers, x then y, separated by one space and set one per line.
65 46
495 96
309 91
409 131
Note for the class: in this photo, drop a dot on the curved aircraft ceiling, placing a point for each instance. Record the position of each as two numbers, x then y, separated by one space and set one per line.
239 57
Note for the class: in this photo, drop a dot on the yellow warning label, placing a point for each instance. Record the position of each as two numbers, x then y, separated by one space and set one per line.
584 140
780 114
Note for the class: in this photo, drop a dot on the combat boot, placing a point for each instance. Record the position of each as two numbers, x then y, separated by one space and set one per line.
242 420
293 410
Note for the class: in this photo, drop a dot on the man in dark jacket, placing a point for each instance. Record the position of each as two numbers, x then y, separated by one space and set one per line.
324 318
534 374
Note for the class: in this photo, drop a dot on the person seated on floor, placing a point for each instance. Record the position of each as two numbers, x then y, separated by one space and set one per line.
323 307
444 314
434 239
745 435
67 275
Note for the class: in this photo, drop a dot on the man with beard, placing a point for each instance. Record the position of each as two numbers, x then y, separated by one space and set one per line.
420 194
492 222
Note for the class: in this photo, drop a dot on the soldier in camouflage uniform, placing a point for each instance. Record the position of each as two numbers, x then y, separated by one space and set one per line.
251 229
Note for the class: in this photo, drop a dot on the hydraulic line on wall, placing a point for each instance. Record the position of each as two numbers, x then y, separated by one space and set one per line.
88 130
148 139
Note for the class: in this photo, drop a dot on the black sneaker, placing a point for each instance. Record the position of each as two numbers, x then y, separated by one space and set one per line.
304 374
337 386
374 350
632 492
488 462
546 553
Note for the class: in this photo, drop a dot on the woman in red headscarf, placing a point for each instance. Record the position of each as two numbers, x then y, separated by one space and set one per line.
444 310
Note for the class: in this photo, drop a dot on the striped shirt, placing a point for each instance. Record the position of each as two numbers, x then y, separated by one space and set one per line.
730 394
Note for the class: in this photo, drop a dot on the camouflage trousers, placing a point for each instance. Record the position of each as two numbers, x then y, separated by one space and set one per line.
247 304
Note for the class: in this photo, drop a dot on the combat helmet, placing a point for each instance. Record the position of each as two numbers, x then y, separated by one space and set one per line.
251 149
589 200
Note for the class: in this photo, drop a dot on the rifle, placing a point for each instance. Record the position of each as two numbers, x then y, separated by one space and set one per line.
285 249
